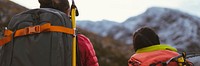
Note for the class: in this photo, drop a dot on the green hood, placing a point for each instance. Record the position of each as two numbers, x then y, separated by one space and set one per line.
156 47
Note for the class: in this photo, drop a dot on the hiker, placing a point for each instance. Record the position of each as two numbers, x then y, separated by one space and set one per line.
149 51
87 53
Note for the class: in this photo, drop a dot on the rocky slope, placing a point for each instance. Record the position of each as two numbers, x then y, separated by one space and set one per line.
7 10
174 27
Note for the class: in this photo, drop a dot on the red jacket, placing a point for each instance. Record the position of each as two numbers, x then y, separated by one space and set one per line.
87 53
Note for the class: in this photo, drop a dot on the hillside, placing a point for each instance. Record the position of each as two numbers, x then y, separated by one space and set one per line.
7 10
174 27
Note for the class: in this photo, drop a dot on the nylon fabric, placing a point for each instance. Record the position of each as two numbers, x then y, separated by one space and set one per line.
87 52
156 47
147 58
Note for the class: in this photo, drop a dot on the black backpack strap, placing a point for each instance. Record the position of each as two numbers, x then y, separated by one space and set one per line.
11 48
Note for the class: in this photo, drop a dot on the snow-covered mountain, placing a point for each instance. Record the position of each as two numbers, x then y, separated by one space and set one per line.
174 27
100 27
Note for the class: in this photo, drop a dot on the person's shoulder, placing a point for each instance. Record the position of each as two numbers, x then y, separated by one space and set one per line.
83 39
81 36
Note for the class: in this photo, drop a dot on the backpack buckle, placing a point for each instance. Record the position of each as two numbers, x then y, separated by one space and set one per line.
34 29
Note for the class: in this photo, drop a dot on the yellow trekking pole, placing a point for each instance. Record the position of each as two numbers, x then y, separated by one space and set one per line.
73 19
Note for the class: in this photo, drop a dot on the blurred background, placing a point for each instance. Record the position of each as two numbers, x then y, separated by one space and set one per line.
113 22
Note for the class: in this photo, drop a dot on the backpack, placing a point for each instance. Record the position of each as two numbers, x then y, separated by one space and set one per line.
159 58
180 60
38 37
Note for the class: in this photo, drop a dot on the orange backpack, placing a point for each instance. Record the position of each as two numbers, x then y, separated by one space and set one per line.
159 58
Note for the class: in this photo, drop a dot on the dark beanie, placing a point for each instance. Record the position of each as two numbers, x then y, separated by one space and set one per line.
61 5
145 37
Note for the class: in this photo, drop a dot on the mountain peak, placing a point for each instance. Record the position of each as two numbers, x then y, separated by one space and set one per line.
155 12
158 9
161 11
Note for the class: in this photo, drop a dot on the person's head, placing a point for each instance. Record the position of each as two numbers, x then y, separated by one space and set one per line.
144 37
62 5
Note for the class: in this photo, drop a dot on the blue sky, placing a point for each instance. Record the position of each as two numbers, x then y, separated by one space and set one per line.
120 10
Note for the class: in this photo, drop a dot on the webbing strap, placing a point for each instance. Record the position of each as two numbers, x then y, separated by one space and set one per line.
5 40
33 30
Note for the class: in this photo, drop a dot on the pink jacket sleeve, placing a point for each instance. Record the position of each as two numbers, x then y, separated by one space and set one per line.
87 53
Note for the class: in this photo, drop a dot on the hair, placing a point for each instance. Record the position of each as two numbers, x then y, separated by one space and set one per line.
62 5
144 37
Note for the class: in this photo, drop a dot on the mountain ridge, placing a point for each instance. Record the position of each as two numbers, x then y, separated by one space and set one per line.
174 27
